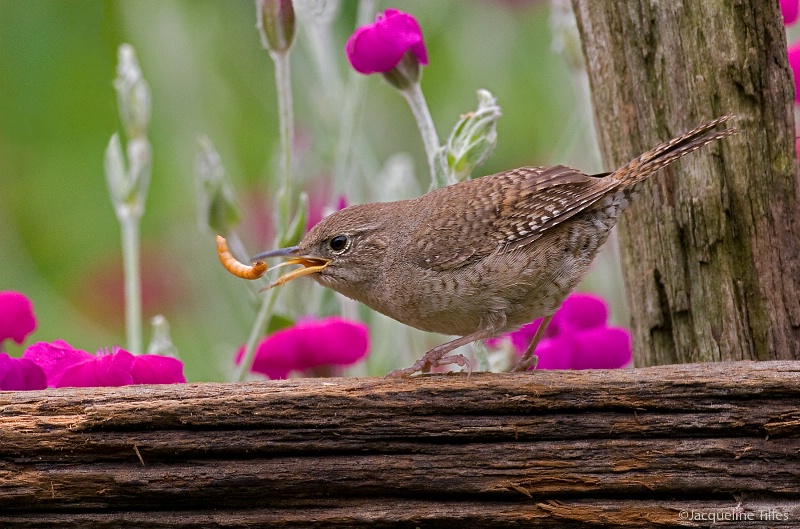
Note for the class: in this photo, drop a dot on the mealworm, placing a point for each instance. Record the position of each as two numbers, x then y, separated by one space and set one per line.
235 267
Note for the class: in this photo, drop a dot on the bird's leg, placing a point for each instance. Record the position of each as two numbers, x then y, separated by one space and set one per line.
437 356
529 359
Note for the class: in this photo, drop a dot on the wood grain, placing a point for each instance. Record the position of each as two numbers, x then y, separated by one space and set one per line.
551 449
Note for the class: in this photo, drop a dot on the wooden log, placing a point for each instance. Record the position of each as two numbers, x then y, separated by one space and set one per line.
673 446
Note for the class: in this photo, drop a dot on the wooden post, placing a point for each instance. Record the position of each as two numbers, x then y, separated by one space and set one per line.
711 246
668 446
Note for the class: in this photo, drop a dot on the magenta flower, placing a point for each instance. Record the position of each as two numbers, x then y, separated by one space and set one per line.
17 320
318 208
18 374
378 47
310 344
65 366
794 63
789 9
577 337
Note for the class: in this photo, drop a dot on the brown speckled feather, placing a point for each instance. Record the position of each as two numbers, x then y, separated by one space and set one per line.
514 208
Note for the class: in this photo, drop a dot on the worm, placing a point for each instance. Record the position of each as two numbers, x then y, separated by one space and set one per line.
235 267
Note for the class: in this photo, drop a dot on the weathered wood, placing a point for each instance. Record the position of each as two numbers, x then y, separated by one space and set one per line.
627 447
711 246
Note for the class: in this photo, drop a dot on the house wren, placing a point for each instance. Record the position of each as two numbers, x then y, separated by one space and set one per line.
481 257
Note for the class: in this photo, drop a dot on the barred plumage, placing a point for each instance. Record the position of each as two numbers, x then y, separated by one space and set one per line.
516 207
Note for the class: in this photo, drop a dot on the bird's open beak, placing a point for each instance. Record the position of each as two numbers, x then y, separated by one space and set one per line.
311 265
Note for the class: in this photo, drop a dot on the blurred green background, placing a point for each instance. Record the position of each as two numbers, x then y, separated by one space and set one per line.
209 75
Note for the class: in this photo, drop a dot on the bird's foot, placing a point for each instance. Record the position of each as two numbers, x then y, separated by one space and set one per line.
437 356
526 364
529 358
425 364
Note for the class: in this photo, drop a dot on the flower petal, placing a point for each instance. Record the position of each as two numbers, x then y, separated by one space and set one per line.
555 353
17 320
311 343
794 63
336 342
580 311
276 355
378 47
66 366
17 374
156 369
789 9
606 348
105 370
56 358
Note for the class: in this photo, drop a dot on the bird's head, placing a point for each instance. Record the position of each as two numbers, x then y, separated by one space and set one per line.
344 250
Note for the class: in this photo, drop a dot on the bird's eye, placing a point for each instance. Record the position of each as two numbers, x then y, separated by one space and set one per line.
339 243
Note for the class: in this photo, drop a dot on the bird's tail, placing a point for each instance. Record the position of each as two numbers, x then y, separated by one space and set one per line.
643 166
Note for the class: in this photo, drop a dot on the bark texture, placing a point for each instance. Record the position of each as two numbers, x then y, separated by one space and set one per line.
634 448
711 248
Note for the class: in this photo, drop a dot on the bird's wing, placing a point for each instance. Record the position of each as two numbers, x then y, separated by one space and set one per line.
509 209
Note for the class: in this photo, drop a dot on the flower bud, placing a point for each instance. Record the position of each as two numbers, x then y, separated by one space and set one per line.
161 341
276 24
128 183
473 138
140 161
116 173
216 206
133 93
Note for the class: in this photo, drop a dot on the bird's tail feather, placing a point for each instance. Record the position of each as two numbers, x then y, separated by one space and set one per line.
643 166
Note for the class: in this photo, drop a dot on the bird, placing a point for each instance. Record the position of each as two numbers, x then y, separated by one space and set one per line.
480 257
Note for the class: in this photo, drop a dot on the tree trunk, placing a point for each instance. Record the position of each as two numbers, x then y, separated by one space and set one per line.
668 446
711 246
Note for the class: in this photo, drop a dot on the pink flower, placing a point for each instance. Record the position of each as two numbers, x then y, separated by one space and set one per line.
310 344
378 47
17 320
789 9
794 63
577 337
65 366
318 208
20 374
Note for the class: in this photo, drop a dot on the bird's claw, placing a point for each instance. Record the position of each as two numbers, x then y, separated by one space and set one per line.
526 364
424 365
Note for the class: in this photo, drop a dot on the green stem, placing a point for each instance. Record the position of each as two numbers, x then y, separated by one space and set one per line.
286 199
259 325
342 168
283 84
133 288
430 139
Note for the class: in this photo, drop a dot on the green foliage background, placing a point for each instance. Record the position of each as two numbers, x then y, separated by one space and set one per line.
203 59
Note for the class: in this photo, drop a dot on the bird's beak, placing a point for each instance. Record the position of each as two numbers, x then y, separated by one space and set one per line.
311 265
